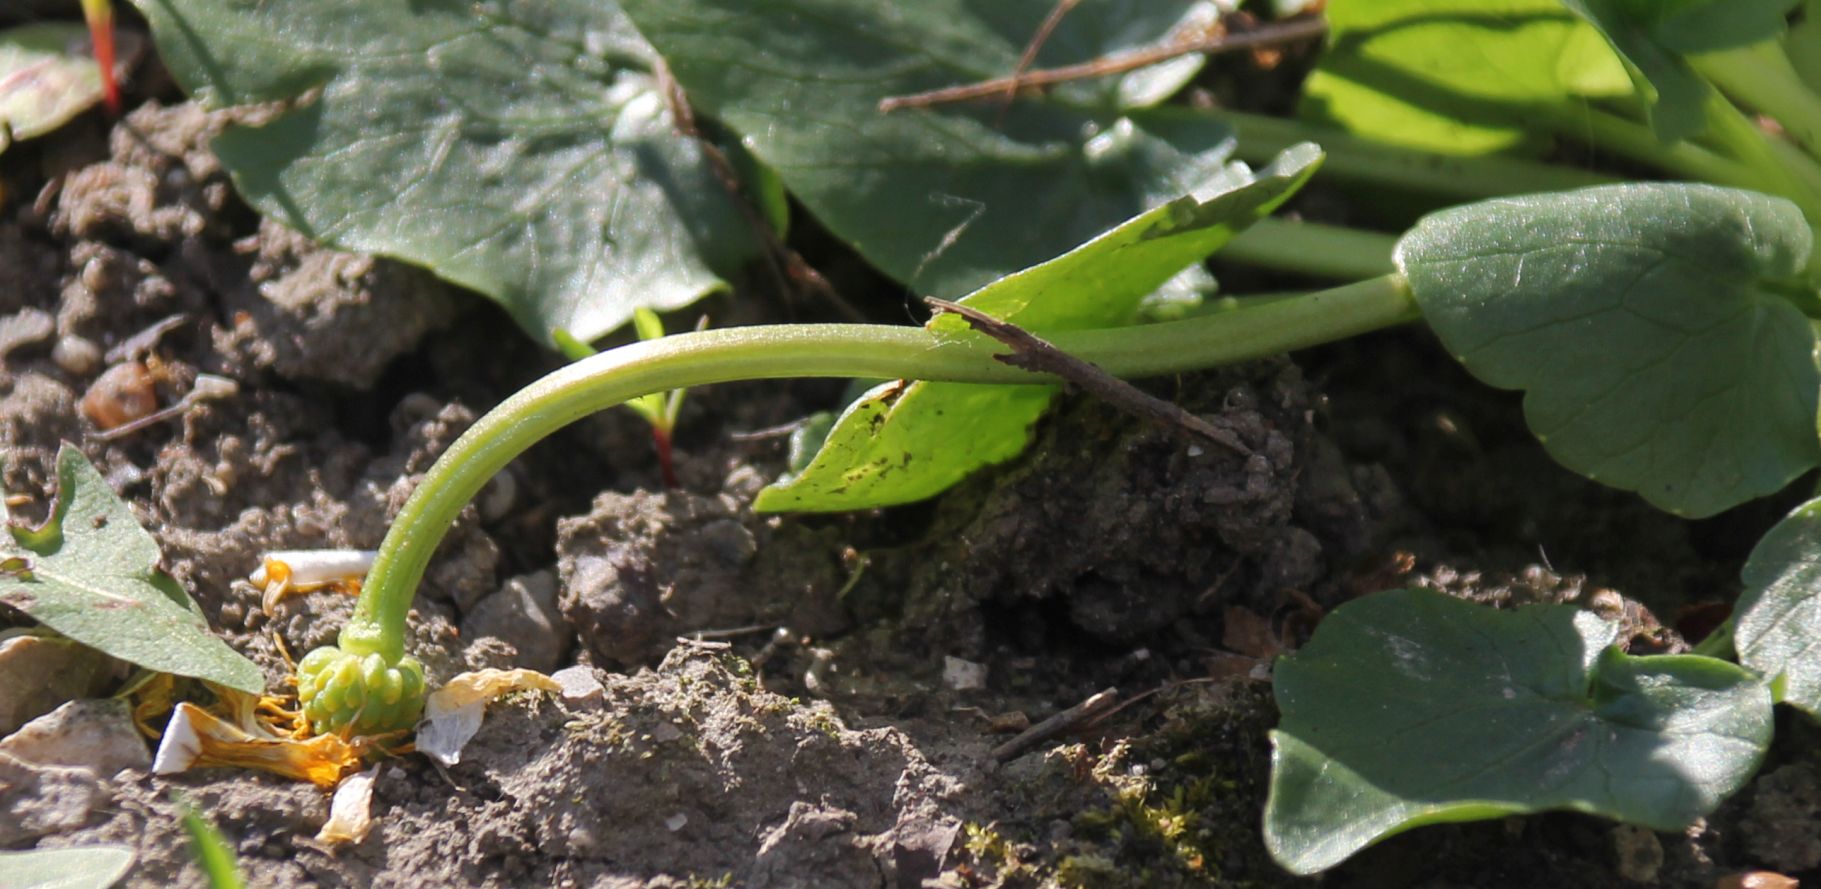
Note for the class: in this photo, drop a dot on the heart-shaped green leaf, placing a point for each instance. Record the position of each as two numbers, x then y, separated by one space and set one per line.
1411 707
520 149
1646 323
1457 76
78 867
91 573
1653 37
1777 630
952 197
907 441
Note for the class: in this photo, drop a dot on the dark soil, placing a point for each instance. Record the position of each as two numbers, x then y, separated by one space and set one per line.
837 726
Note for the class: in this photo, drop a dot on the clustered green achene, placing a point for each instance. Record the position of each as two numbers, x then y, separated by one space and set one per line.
368 684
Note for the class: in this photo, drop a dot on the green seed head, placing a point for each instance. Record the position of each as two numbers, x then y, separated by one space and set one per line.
362 693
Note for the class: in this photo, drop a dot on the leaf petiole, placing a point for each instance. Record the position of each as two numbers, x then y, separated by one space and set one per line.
816 350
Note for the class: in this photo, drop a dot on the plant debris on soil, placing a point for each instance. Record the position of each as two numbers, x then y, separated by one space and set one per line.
809 701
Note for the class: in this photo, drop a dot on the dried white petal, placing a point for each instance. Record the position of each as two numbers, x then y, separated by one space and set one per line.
351 809
453 713
181 744
442 735
311 568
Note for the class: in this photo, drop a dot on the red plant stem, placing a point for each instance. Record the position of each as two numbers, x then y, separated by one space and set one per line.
101 33
660 440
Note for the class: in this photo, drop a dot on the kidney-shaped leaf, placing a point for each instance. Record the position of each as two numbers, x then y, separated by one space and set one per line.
904 442
91 573
1411 707
521 149
1777 630
952 197
1646 325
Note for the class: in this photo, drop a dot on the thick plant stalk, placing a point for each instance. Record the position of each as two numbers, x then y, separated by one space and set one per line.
368 684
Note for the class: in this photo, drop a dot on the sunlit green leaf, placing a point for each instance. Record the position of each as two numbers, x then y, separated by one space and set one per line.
1457 76
1777 628
1647 324
906 441
1411 707
91 573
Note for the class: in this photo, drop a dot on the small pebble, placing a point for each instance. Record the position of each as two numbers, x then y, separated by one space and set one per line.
76 355
581 839
97 735
963 675
580 687
95 276
675 822
123 393
1637 852
498 497
27 327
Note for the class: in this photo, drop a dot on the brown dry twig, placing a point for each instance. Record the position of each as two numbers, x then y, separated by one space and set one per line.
1062 723
1034 354
1211 42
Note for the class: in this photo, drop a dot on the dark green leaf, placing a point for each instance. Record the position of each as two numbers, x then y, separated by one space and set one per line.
90 572
907 441
1646 324
77 867
1777 630
1457 76
946 199
1653 36
520 149
1411 707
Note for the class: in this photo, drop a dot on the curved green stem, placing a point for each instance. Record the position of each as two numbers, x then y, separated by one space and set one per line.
1718 643
1312 249
1355 159
818 350
1635 141
1761 78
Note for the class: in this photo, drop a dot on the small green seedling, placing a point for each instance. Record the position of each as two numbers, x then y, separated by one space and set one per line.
660 409
211 850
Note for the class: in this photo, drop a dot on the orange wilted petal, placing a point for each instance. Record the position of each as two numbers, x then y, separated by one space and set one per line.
197 738
153 699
